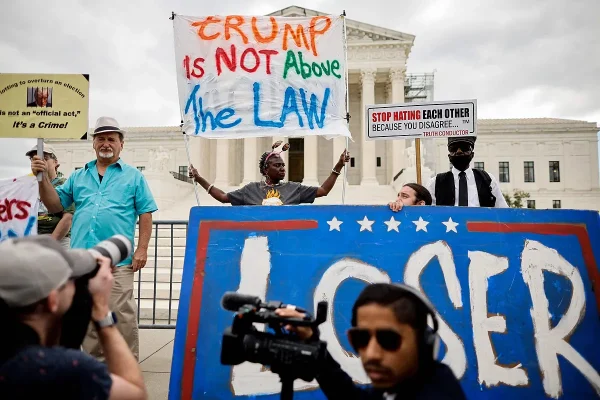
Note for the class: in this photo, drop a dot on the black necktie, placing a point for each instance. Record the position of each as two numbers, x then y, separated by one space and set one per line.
463 197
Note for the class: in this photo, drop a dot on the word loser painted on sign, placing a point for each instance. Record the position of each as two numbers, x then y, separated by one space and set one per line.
19 206
422 120
515 291
252 76
53 106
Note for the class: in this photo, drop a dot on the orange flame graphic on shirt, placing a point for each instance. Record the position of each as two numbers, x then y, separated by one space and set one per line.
272 194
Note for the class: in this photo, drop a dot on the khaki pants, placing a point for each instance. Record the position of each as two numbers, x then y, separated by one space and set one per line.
122 303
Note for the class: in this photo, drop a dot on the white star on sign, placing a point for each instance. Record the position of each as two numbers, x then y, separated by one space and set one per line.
450 225
334 224
365 224
421 225
392 224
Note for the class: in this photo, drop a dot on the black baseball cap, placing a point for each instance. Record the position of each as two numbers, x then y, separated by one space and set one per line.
462 139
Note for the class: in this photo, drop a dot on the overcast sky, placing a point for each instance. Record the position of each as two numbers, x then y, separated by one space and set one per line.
519 59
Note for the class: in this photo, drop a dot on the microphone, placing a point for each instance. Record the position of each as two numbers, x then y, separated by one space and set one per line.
233 301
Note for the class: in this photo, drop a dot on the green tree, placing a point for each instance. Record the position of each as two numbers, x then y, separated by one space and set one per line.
516 200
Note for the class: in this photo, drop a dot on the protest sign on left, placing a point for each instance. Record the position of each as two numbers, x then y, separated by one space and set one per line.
53 106
19 204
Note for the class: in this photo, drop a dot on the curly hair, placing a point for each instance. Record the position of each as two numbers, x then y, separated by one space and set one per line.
262 162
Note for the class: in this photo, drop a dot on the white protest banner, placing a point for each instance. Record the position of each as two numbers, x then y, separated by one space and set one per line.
19 204
422 120
256 76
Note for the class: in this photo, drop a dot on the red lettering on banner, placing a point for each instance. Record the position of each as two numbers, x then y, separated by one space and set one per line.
243 59
10 205
231 62
268 54
196 71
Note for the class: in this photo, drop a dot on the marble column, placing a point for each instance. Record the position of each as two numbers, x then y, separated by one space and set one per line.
368 156
222 163
199 156
397 97
311 161
250 161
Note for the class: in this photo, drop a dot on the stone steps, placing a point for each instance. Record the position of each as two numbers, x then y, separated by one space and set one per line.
164 290
162 274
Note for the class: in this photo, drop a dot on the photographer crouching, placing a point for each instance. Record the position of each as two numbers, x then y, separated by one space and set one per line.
397 348
38 284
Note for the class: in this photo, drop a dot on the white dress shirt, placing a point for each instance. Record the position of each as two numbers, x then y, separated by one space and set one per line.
473 196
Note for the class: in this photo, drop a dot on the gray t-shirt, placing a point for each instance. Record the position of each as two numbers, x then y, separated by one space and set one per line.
259 193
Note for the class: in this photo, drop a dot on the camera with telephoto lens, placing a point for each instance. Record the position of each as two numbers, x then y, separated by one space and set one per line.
282 351
77 319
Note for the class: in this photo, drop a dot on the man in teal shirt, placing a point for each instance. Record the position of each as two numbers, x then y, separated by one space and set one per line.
109 196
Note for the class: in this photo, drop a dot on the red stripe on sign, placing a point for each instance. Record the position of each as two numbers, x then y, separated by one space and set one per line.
189 357
578 230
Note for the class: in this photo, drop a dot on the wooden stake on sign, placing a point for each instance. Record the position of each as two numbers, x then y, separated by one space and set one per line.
418 161
40 153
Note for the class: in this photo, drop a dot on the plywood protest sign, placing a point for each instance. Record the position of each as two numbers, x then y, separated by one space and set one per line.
254 76
19 205
517 292
422 120
44 105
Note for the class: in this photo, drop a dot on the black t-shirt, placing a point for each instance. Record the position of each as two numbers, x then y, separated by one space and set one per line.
38 372
259 193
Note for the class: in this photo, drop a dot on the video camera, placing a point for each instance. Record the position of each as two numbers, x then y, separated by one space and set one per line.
282 351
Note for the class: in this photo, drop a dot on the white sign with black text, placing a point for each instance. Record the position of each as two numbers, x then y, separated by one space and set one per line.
422 120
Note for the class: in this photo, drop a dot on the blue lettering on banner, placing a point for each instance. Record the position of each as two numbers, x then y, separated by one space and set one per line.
200 116
10 234
516 291
311 111
290 105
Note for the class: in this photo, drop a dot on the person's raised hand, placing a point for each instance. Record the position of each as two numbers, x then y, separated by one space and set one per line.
193 172
101 284
344 158
38 165
395 205
303 332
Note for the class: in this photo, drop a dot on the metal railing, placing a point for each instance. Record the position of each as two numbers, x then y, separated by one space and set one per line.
159 227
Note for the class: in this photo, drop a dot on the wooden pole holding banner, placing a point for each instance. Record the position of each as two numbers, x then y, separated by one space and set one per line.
40 153
418 161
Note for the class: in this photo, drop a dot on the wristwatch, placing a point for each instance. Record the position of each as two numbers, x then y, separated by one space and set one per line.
109 320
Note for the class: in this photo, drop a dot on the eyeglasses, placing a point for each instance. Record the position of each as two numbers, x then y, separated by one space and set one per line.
388 339
465 148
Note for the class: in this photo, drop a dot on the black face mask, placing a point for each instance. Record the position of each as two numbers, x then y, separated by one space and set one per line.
461 162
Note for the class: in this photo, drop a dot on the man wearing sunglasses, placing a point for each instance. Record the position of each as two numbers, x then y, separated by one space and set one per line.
396 347
462 185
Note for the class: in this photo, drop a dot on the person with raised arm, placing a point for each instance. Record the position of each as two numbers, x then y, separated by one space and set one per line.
272 190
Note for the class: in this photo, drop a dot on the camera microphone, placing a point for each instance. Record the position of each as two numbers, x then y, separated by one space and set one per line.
233 301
